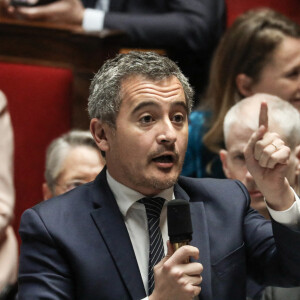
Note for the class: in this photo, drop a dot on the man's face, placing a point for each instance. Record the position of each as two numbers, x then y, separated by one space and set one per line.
81 165
234 164
146 150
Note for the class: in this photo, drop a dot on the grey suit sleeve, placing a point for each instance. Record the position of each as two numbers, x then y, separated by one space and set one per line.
194 24
44 272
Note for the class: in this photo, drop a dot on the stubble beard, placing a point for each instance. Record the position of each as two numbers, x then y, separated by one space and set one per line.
161 184
152 183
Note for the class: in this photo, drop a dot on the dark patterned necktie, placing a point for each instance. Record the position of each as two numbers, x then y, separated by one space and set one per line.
156 252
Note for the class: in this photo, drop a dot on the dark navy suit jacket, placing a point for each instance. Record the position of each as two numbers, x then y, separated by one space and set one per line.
76 246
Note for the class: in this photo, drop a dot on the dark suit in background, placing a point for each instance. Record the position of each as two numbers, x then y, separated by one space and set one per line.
76 246
188 30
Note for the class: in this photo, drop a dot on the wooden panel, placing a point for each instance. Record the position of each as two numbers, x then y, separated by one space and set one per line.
60 46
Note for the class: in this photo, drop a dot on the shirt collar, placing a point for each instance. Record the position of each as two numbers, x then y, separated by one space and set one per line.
126 196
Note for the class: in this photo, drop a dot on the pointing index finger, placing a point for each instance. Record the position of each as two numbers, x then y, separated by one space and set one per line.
263 115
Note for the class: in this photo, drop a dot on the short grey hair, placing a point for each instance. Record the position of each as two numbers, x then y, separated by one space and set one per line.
58 150
281 114
105 90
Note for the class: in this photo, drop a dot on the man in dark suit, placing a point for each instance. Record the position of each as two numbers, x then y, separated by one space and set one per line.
187 30
93 242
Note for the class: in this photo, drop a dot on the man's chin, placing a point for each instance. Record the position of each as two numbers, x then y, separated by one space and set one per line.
163 184
153 186
159 179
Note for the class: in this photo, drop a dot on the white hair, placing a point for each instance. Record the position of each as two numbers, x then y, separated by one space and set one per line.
58 150
281 114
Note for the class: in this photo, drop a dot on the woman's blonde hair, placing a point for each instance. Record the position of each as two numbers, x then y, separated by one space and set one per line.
246 47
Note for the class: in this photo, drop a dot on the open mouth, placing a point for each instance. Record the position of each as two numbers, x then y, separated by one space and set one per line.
164 159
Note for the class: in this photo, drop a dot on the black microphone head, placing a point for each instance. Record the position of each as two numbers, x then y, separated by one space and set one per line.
179 221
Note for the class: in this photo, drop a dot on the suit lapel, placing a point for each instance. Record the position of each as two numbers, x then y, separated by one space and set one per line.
112 228
200 239
110 224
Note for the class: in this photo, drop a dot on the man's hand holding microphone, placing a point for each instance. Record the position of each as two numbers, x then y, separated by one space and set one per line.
175 276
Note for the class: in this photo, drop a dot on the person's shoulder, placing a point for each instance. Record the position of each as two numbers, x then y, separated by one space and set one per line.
75 200
208 182
226 190
58 214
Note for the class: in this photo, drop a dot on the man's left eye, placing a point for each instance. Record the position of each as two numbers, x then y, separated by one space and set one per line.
146 119
240 157
178 118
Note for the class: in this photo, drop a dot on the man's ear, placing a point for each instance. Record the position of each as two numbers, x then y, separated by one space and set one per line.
99 132
244 84
297 171
47 194
223 156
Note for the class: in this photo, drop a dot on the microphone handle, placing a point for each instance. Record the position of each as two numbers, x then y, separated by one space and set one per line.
176 246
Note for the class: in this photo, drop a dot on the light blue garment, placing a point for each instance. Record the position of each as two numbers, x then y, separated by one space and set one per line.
197 155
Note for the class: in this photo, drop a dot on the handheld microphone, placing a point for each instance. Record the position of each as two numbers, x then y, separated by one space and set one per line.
179 223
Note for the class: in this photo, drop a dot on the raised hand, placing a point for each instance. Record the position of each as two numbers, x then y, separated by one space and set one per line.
267 157
176 279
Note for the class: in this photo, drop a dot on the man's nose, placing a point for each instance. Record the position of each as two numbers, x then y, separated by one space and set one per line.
248 176
167 133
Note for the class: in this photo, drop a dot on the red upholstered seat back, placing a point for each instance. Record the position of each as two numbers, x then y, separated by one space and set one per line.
39 100
290 8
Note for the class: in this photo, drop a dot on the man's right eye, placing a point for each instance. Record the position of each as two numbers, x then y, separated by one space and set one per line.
240 157
146 119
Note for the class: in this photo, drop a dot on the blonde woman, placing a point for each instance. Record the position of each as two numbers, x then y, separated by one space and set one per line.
259 53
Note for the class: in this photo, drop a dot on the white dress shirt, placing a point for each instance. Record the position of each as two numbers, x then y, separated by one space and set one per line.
135 218
289 217
93 18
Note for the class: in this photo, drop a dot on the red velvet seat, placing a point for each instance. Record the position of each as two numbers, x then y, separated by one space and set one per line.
290 8
39 100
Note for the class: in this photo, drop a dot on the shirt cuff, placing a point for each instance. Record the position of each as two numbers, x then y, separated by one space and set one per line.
93 19
289 217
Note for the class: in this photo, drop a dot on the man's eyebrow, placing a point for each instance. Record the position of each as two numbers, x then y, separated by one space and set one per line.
151 103
180 103
236 151
144 104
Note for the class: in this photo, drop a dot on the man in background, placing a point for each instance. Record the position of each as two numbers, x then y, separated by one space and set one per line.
71 160
239 124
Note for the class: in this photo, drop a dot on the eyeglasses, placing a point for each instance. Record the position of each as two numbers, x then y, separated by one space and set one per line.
71 185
